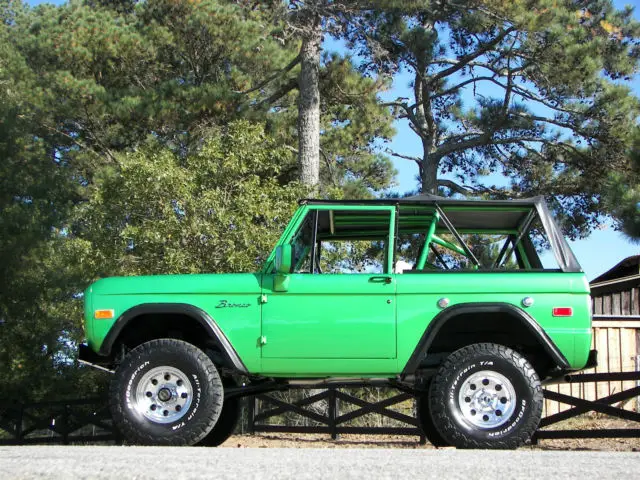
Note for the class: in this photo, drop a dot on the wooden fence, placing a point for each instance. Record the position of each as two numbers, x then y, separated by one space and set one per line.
616 338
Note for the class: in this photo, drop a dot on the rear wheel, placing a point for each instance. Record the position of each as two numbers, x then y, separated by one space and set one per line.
486 396
166 392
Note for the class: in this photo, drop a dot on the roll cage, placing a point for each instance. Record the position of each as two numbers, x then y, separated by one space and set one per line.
445 227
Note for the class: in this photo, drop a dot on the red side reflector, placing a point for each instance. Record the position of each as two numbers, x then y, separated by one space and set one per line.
562 312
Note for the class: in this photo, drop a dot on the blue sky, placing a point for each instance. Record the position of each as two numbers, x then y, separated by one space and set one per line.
601 251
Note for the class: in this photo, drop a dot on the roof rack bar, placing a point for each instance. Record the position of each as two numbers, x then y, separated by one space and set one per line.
455 233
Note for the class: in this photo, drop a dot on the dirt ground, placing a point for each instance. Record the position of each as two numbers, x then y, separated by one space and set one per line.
294 440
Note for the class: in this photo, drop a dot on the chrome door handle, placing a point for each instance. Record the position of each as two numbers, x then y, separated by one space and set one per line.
381 279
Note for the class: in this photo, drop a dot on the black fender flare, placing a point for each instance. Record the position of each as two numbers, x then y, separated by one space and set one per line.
197 314
443 317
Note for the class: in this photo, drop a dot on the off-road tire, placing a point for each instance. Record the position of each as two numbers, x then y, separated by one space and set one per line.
491 377
226 424
425 421
188 370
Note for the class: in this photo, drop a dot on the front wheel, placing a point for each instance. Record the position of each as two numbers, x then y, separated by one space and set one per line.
486 396
427 426
166 392
226 424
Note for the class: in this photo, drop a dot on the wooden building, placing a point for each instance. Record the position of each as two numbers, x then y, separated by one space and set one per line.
616 333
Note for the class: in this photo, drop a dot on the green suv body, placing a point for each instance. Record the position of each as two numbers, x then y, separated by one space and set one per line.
384 289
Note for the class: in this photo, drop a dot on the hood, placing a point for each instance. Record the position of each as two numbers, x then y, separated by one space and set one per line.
178 284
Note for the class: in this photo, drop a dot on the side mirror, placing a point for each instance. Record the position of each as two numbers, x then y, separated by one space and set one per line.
283 259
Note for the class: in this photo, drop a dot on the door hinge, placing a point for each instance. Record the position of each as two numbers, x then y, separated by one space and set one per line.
263 299
262 340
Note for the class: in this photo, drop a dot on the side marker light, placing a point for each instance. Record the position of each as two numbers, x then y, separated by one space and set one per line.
103 314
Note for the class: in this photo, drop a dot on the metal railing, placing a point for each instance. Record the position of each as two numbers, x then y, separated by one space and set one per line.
68 421
332 411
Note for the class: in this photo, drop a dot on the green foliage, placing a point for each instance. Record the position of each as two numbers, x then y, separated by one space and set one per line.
350 103
219 209
125 149
622 194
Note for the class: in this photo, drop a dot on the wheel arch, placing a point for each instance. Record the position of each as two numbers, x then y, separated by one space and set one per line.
435 335
177 317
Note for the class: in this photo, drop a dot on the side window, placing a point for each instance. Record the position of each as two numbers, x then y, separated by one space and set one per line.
301 246
455 250
353 256
445 252
342 242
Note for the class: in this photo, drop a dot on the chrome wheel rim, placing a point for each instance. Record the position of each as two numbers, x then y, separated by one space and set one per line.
487 399
163 395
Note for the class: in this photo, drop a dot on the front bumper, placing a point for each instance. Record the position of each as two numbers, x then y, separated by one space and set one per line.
87 356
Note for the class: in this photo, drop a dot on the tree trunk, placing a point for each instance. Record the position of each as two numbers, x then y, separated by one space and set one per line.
429 174
309 102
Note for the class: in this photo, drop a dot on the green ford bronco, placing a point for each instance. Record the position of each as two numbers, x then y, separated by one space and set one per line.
447 299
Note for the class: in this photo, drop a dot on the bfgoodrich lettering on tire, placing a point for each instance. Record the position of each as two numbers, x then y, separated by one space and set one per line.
486 396
166 392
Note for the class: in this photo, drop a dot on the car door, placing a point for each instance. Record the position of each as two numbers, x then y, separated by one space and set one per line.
345 314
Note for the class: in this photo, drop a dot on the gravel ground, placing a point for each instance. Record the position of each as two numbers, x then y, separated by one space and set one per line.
292 440
55 462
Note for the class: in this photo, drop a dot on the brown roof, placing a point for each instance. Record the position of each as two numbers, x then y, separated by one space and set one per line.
630 266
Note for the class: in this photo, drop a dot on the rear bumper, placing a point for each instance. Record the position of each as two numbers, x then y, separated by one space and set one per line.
560 375
592 360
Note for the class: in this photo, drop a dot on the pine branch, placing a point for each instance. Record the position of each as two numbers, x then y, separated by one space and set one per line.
450 184
405 157
327 161
464 61
551 121
292 84
268 80
483 140
457 87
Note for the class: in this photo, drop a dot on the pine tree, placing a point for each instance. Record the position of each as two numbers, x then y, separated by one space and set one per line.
547 106
121 125
621 193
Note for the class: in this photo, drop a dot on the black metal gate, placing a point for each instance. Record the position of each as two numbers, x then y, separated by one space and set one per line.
338 409
334 410
69 421
602 405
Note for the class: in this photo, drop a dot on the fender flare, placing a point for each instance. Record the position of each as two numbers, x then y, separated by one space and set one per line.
443 317
197 314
